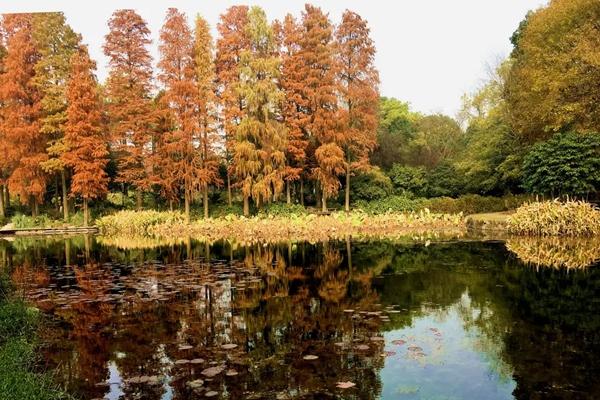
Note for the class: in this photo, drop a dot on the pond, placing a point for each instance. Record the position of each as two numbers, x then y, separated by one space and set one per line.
401 319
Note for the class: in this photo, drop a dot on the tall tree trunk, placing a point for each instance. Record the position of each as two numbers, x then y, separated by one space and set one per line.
6 197
347 199
86 215
57 197
205 201
33 205
186 198
323 201
138 199
246 206
171 205
302 192
65 200
288 192
318 194
2 209
228 189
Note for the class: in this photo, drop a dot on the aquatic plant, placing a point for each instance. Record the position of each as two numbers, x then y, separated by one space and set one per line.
136 222
556 218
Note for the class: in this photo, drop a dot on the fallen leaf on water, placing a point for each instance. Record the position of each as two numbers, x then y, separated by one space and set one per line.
231 372
182 361
212 393
345 385
229 346
197 361
398 342
310 357
196 383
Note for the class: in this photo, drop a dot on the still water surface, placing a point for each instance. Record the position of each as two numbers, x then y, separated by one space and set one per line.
337 320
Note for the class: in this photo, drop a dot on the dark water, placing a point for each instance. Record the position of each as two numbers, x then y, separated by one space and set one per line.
411 320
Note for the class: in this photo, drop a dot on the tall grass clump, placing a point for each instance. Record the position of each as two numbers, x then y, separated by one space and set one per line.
555 218
136 222
18 328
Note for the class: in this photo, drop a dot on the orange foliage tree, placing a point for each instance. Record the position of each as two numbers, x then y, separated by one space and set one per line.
129 101
295 104
56 43
21 110
316 56
182 162
207 108
358 80
232 41
3 139
87 152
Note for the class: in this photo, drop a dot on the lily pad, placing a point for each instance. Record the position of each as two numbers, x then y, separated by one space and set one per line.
213 371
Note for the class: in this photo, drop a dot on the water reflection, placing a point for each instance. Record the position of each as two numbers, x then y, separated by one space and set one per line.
397 320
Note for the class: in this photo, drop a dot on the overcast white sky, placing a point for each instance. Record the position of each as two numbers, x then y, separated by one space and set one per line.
429 52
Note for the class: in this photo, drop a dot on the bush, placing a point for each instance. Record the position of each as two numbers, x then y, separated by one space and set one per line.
469 204
443 181
221 210
474 204
282 209
568 163
371 185
21 221
554 218
136 222
408 180
391 204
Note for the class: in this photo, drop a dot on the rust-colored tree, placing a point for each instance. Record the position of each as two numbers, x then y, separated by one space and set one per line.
316 56
181 158
3 139
232 41
87 152
357 84
208 172
21 110
56 42
128 90
259 149
295 104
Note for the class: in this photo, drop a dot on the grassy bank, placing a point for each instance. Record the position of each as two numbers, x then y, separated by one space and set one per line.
309 227
18 327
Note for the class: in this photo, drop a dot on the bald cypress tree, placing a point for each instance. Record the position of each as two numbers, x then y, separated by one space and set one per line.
259 148
87 152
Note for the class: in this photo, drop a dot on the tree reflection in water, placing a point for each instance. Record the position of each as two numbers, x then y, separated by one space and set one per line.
398 319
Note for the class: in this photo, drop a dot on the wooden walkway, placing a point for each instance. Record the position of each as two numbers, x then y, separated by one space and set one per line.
48 231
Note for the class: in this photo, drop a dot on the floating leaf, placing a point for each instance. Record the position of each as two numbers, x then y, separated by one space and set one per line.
345 385
310 357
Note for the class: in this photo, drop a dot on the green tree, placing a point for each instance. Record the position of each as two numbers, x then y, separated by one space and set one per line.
491 155
395 129
553 85
437 138
259 149
567 164
408 180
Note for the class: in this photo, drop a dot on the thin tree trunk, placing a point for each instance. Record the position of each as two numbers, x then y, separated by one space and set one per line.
349 252
288 192
6 198
318 195
347 200
138 199
171 205
205 201
246 206
228 189
65 200
187 206
32 204
302 192
57 197
67 252
2 209
86 216
323 201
